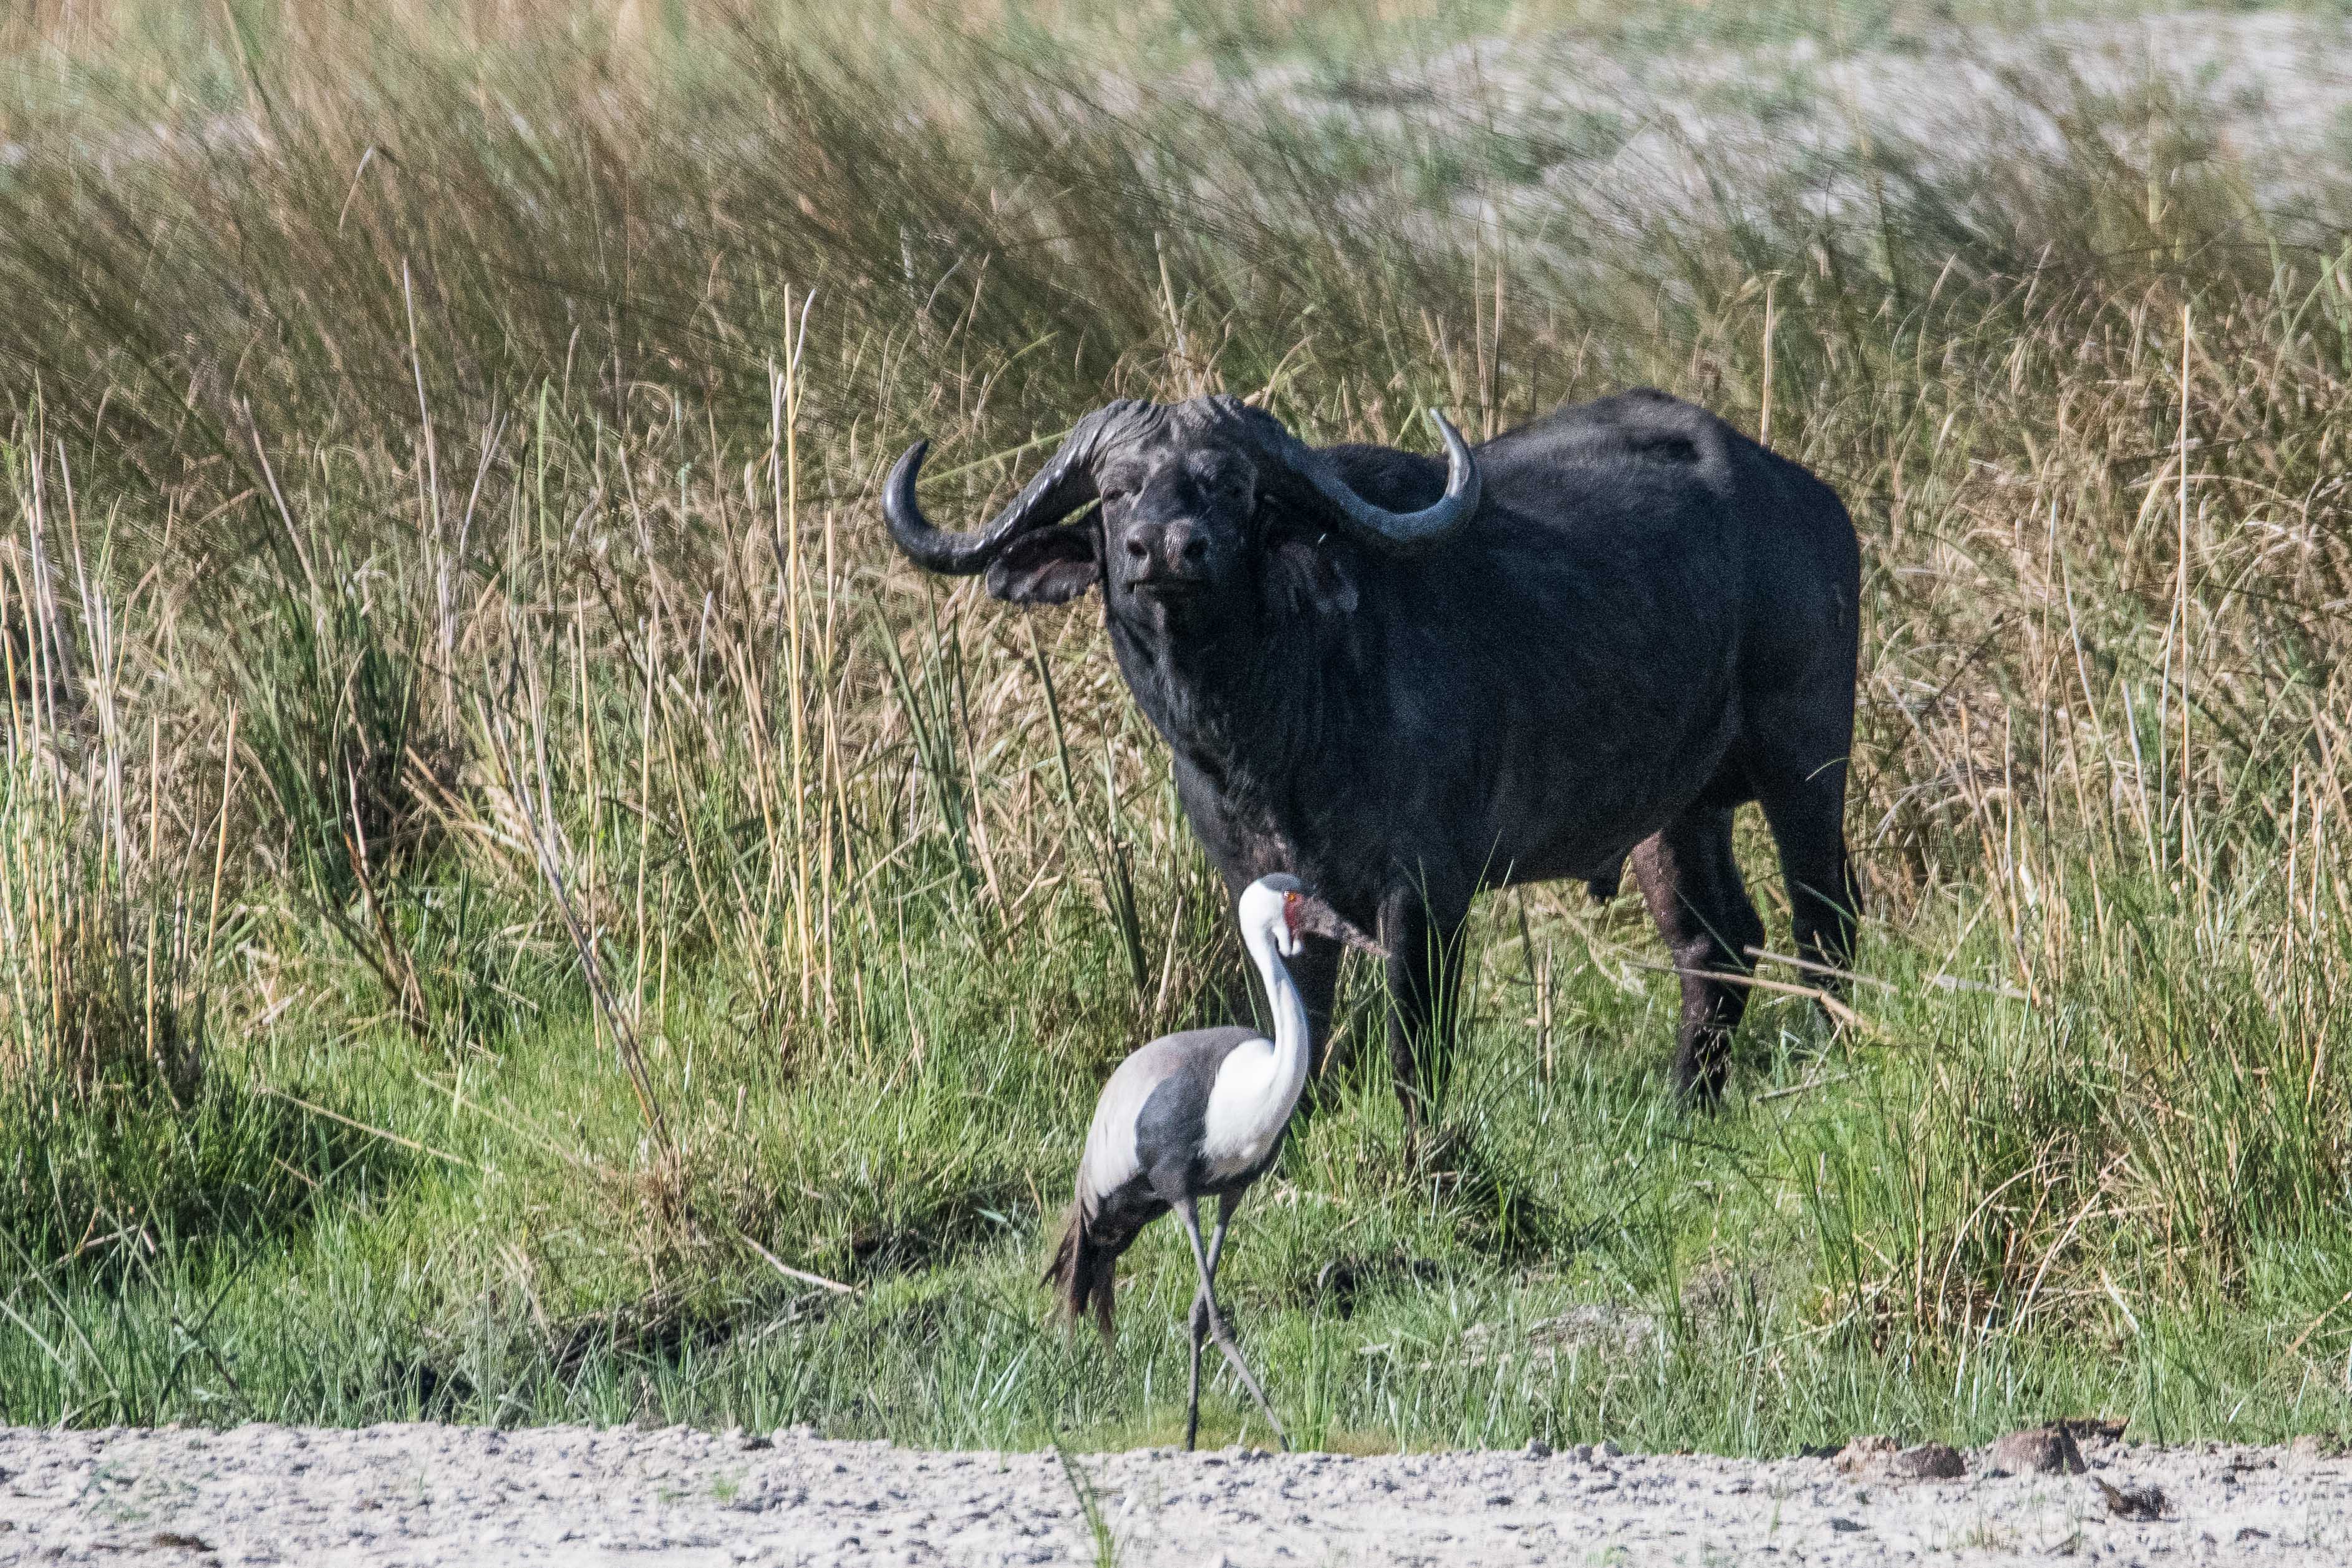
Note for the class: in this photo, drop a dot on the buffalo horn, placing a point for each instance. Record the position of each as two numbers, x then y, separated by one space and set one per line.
1394 530
1060 487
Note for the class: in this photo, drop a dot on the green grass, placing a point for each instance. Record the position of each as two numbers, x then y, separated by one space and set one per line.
514 906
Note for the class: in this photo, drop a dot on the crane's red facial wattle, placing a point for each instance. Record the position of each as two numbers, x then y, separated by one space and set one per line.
1293 907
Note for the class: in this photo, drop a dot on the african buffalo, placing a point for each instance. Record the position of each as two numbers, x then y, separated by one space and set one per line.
1404 681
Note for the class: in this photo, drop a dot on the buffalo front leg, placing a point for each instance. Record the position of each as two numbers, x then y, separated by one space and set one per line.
1424 974
1316 972
1691 883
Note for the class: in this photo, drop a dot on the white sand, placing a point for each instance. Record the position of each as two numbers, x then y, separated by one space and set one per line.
432 1495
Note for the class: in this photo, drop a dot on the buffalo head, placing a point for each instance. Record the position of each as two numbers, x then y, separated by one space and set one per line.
1194 499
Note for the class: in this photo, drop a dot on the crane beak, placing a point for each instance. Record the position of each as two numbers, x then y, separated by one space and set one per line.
1310 916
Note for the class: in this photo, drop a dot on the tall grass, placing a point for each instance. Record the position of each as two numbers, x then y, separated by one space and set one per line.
601 935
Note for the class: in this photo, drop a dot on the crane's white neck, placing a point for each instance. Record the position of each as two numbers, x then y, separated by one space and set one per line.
1290 1026
1258 1084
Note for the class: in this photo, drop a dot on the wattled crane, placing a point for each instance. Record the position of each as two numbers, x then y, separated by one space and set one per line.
1192 1115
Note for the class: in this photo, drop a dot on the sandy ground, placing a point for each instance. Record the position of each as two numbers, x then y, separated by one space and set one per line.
432 1495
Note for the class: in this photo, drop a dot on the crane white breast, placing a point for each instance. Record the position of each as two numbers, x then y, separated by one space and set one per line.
1249 1104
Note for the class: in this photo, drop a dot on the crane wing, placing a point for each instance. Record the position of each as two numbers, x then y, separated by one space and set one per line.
1113 1156
1110 1161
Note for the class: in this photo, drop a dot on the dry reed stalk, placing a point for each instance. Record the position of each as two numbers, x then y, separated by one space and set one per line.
2188 799
592 889
645 843
785 414
220 845
154 833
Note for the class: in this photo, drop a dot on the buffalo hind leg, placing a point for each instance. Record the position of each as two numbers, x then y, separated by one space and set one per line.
1808 819
1425 972
1691 883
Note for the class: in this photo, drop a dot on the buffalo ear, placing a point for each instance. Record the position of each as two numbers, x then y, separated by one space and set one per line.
1308 579
1048 567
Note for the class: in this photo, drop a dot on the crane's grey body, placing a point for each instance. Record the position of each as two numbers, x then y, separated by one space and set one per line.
1194 1115
1146 1148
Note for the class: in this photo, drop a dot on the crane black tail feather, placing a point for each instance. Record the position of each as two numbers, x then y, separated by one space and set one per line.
1081 1273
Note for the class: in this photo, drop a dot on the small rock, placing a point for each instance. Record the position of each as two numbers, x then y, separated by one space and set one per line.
1847 1526
1538 1449
1931 1462
1605 1449
2250 1533
2133 1502
1879 1456
1866 1456
2037 1452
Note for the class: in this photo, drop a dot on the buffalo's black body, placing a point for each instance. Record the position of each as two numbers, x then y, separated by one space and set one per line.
1646 620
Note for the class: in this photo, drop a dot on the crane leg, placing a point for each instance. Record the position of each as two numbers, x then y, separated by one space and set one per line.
1189 1211
1225 1207
1193 1387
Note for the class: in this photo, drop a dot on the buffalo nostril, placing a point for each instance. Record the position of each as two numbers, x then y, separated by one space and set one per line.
1195 551
1135 548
